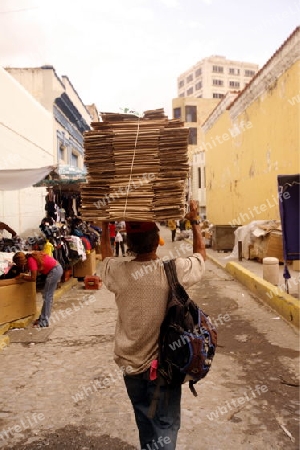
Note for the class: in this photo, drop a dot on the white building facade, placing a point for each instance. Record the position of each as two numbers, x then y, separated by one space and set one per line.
70 116
214 76
26 142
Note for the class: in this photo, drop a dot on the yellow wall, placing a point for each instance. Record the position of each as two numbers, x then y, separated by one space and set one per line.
242 171
204 107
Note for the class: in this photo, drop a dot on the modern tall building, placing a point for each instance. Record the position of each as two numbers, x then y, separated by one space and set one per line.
214 76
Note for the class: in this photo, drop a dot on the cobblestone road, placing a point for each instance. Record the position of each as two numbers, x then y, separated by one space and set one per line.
60 388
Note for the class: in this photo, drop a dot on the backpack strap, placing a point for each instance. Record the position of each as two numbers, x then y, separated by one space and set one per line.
171 274
170 269
175 286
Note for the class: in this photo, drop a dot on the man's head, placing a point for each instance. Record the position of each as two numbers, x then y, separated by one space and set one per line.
142 237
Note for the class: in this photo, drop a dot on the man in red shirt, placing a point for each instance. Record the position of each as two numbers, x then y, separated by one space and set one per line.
112 235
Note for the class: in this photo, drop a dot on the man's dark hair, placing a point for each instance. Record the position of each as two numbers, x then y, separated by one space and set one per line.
143 242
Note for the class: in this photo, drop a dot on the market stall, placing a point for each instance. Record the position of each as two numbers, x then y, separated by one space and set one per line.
74 240
17 300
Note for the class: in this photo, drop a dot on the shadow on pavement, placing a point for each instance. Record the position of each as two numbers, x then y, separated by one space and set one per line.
72 438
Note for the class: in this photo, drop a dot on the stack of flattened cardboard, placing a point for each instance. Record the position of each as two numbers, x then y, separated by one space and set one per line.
137 168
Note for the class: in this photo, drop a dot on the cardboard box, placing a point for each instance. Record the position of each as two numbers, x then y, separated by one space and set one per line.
98 249
296 265
87 267
17 300
269 245
137 176
223 237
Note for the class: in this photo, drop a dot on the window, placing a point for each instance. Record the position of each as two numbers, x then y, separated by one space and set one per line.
234 84
177 113
198 72
74 160
189 78
181 84
204 177
198 85
191 114
189 91
193 136
215 95
61 151
218 82
218 69
233 71
199 177
249 73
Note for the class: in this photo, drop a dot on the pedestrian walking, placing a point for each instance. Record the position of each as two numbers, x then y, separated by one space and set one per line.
39 262
172 226
112 235
141 296
120 237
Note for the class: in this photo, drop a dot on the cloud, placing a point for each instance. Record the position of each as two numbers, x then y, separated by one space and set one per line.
195 24
171 3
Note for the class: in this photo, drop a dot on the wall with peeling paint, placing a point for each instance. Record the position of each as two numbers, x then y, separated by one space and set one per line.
248 145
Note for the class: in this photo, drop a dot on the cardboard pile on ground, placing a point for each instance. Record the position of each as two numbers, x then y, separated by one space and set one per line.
136 168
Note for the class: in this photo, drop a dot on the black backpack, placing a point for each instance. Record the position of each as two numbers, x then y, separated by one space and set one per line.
187 340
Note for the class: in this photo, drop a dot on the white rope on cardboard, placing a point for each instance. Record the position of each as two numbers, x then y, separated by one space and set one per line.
131 168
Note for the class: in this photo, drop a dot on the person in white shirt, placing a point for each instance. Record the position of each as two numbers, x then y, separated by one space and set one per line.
141 292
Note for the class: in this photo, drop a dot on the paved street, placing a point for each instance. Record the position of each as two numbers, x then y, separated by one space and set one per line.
60 388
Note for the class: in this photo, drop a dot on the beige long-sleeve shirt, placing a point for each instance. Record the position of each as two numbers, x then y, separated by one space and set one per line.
141 291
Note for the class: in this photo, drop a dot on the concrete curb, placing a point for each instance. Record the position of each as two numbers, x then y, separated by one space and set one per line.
284 304
65 287
25 321
214 260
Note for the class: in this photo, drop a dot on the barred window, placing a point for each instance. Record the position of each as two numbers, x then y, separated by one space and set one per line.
177 113
193 136
218 69
191 114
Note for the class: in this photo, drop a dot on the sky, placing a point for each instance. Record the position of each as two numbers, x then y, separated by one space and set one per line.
129 53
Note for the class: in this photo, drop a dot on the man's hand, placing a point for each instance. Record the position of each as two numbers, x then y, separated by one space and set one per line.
193 213
198 243
19 278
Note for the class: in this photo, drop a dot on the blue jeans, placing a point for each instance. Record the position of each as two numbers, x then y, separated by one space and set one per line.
52 279
161 431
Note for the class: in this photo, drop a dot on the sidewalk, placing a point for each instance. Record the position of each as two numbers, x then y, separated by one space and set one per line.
26 321
250 274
